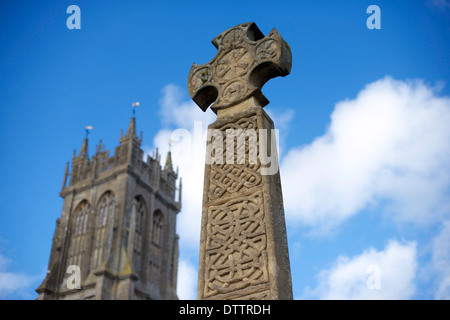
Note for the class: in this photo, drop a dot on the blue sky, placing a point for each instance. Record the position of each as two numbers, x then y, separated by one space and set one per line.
363 120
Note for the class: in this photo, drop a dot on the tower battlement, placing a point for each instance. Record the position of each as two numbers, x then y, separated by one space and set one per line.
128 157
117 226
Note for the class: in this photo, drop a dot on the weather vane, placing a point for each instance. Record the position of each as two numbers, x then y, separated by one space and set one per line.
170 141
87 128
135 104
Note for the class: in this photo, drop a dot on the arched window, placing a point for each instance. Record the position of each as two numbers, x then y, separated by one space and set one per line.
139 214
158 222
79 230
156 244
102 234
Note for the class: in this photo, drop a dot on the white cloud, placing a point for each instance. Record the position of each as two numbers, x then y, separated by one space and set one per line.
387 274
390 145
14 284
183 118
281 120
180 111
441 261
187 281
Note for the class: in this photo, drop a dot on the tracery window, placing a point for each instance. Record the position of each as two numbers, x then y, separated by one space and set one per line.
138 213
157 228
156 244
79 233
102 233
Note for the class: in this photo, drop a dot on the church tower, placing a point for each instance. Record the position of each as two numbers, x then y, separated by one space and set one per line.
117 226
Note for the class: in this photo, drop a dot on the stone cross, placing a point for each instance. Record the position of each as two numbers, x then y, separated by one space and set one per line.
243 245
245 60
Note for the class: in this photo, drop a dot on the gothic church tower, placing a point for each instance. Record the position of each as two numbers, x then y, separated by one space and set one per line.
117 225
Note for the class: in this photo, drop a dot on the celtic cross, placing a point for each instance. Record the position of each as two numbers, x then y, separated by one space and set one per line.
244 62
243 245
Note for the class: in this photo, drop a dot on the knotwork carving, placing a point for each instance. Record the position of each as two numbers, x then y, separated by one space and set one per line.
229 179
264 295
232 176
243 248
236 254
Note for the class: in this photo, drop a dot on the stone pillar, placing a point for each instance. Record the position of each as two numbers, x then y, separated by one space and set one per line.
243 246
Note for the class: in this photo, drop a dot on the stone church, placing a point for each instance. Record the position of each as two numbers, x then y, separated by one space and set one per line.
117 226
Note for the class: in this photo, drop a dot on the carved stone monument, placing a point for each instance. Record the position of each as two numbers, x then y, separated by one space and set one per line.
243 246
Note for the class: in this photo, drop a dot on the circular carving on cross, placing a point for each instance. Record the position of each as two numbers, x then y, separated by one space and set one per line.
245 61
267 49
233 38
234 90
200 77
233 64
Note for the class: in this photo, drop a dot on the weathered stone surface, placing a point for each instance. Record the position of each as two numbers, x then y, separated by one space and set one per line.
245 61
117 225
243 245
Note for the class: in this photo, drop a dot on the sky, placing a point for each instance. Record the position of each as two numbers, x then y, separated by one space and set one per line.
363 123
